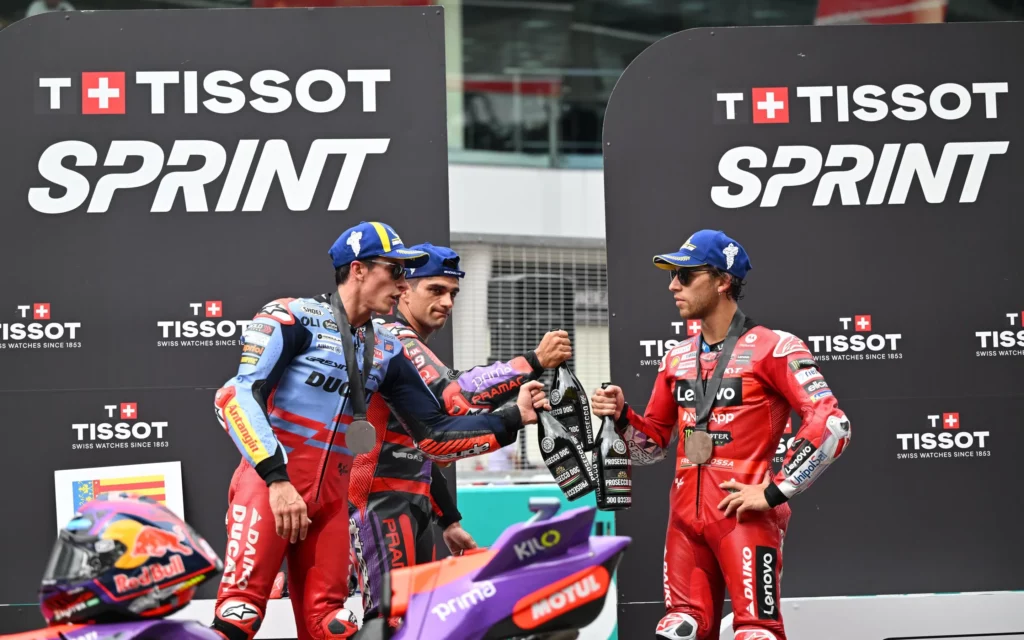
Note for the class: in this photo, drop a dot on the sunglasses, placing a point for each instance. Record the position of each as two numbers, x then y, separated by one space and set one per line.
686 275
397 269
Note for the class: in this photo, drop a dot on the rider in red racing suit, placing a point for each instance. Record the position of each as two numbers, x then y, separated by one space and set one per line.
769 374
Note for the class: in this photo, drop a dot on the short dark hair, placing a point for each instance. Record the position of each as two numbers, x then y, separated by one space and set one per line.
341 273
735 284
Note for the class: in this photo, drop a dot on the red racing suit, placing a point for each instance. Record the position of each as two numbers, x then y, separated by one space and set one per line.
396 493
769 374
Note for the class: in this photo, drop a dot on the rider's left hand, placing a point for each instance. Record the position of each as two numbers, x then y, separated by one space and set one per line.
748 497
458 539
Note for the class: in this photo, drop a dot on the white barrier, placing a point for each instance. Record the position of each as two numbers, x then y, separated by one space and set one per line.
955 616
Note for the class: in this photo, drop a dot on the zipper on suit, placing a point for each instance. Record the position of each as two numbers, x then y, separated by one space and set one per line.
697 511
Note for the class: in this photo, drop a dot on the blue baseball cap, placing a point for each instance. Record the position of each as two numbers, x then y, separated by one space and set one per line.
373 239
441 261
708 247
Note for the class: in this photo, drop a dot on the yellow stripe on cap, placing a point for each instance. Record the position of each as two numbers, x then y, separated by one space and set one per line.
383 235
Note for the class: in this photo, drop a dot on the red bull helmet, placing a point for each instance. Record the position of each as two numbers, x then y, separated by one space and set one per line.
124 557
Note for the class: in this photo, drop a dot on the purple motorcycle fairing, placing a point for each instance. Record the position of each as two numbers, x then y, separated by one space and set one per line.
529 557
161 629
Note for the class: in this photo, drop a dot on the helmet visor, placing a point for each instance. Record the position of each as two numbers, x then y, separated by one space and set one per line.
70 562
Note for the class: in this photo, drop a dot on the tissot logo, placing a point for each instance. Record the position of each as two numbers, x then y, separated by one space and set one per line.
122 429
655 350
222 92
944 435
815 104
1003 342
860 342
894 169
34 328
249 171
206 328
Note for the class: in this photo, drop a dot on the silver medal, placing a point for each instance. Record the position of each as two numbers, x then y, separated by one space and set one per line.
360 437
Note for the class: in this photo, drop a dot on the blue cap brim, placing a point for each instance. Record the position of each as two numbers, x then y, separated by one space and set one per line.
670 261
410 257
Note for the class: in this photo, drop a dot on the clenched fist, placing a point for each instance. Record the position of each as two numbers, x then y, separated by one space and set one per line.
531 398
554 349
607 402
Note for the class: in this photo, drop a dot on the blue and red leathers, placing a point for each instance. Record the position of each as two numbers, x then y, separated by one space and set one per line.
396 493
287 411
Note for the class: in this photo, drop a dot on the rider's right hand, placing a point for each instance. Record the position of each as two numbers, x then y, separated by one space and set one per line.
554 349
607 402
289 511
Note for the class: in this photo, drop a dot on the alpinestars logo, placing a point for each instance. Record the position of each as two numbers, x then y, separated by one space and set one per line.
206 328
655 350
121 429
1004 342
219 92
34 328
944 438
861 342
898 169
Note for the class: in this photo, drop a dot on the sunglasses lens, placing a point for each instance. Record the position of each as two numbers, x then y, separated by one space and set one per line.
685 276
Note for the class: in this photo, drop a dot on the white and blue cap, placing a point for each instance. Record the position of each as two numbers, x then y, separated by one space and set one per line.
373 239
708 247
441 261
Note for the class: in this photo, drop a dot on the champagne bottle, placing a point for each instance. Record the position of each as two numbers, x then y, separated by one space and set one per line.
614 468
570 405
565 458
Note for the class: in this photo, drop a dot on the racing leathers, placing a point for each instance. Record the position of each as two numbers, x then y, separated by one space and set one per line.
287 411
396 493
769 374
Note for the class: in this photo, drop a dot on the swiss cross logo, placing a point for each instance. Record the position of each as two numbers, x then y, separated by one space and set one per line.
771 105
103 92
862 323
41 311
214 309
129 410
693 327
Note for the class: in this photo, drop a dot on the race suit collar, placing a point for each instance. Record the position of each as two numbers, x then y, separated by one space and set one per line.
397 317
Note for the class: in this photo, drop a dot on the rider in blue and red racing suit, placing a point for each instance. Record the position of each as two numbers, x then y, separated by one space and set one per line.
395 494
287 411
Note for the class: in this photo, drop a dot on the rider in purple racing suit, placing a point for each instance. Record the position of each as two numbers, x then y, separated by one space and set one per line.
395 493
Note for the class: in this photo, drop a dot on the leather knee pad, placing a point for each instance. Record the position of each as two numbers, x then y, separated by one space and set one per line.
237 619
678 626
755 634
